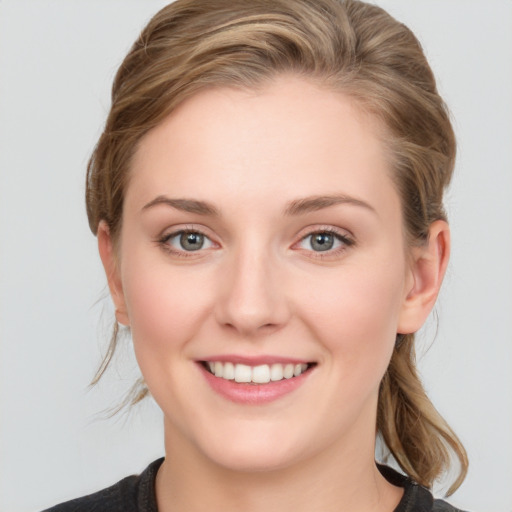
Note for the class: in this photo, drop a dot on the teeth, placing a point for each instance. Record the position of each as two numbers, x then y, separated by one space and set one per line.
219 367
288 371
261 374
229 371
276 372
243 373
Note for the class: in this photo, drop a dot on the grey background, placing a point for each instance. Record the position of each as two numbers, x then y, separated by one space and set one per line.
57 60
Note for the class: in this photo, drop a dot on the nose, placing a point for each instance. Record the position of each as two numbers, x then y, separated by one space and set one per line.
253 295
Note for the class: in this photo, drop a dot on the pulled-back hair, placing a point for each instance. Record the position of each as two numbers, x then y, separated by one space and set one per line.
348 46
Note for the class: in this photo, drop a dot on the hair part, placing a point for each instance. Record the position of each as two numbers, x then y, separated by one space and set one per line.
347 45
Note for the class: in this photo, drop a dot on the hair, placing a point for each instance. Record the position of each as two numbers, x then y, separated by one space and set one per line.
347 45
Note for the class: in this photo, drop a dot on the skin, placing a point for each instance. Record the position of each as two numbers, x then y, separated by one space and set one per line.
258 287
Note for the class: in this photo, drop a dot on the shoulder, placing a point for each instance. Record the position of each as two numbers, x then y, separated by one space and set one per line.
131 494
112 498
415 498
442 506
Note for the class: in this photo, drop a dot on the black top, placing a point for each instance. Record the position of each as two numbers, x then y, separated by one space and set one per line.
137 494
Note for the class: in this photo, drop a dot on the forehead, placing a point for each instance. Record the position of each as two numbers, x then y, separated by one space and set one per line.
291 138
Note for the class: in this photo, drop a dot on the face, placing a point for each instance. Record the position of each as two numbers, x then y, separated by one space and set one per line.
262 270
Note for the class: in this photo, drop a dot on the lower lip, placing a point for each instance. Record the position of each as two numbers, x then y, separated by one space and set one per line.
253 394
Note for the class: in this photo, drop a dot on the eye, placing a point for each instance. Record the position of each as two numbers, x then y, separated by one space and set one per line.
188 241
323 241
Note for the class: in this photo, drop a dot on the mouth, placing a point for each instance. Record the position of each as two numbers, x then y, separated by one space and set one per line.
259 374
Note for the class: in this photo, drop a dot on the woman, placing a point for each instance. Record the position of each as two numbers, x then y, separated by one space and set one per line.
267 196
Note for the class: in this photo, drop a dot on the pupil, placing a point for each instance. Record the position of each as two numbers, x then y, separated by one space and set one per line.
322 242
191 241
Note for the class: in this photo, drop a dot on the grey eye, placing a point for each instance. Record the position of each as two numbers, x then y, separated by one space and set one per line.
190 241
187 241
322 241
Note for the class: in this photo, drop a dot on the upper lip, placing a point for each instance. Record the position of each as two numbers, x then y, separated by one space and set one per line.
254 360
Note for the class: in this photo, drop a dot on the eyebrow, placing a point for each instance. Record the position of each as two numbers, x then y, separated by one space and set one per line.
185 205
296 207
314 203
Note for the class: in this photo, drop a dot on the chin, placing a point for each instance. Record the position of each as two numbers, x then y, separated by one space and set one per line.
248 461
253 453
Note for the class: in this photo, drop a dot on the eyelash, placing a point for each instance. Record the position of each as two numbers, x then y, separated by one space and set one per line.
345 241
163 242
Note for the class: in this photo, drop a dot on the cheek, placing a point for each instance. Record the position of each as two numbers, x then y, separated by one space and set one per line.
355 316
164 307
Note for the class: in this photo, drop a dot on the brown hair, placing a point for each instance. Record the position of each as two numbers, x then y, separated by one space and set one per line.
351 46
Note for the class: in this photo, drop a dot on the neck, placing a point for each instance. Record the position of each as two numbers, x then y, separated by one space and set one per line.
341 478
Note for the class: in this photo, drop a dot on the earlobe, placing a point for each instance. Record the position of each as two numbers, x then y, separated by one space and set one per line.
428 266
111 267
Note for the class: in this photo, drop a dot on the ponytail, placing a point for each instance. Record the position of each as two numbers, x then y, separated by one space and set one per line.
416 435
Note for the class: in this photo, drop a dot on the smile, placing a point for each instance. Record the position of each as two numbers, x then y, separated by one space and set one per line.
255 382
260 374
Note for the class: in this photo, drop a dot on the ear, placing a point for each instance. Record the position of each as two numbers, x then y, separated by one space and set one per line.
428 266
110 264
